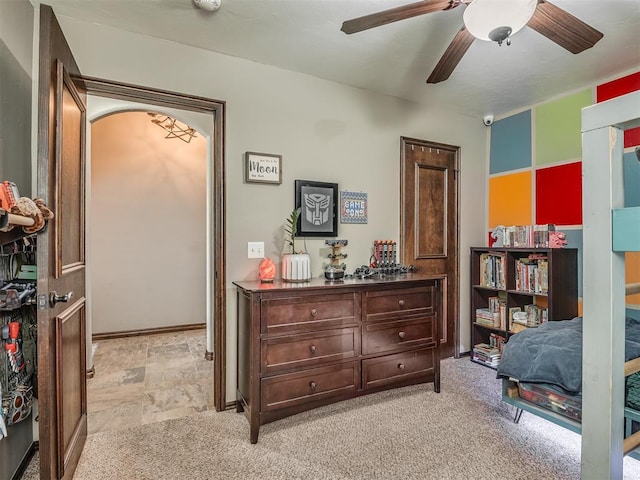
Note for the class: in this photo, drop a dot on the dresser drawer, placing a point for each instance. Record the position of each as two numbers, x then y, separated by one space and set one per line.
313 312
389 304
309 349
288 390
379 337
383 371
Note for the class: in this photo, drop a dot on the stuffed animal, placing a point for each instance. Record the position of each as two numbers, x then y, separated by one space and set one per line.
557 239
35 209
497 235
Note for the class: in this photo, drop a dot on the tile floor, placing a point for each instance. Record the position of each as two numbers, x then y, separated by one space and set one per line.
147 379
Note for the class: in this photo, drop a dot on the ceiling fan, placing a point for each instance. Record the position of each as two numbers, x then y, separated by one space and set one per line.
491 20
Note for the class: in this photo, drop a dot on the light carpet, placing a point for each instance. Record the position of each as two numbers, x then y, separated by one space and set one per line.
465 431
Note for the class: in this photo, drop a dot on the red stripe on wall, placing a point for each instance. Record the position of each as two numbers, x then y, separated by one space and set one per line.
618 87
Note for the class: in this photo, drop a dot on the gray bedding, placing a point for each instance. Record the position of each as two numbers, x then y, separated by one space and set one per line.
552 353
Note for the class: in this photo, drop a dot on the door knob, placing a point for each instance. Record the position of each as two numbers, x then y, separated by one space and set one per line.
55 298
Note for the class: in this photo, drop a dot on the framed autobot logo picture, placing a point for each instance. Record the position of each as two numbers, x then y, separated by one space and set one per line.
318 203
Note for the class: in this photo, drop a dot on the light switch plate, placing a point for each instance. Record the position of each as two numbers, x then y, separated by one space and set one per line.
255 250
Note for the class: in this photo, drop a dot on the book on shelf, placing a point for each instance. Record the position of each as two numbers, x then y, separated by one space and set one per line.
495 315
516 328
512 310
536 315
486 317
524 236
497 341
493 269
532 274
487 354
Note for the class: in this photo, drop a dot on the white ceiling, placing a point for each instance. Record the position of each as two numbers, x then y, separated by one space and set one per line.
395 59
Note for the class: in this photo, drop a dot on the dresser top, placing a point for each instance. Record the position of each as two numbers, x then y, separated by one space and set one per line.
321 283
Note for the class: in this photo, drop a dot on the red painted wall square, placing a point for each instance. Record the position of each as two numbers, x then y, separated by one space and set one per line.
632 137
559 194
614 89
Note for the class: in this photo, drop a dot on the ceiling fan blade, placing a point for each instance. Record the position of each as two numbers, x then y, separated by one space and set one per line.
561 27
452 56
394 14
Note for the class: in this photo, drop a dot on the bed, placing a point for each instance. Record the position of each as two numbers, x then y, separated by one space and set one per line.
609 229
541 371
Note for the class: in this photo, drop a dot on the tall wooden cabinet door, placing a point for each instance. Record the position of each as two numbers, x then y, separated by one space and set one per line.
62 392
429 224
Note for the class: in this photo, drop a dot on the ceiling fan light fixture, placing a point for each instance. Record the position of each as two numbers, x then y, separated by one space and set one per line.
497 20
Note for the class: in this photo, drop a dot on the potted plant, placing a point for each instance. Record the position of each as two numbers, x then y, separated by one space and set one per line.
291 227
296 266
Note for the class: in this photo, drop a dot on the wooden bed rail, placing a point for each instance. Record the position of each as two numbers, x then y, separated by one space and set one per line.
631 443
632 366
632 288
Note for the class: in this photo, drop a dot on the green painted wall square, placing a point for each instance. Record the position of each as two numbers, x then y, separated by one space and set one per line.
558 129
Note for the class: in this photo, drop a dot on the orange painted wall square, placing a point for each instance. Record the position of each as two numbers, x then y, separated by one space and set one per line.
632 271
510 199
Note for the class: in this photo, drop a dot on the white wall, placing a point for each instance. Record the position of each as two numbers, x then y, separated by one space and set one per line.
147 226
16 37
325 131
16 32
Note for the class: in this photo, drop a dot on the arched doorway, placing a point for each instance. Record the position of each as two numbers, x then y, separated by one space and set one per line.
147 255
207 116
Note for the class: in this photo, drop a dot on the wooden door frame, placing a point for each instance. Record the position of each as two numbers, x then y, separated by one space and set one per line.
456 306
216 108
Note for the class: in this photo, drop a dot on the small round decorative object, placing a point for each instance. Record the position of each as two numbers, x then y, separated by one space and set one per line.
332 273
267 270
209 5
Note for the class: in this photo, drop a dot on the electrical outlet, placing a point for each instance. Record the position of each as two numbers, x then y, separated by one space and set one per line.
255 250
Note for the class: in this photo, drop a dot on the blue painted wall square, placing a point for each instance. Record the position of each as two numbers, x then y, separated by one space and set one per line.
633 313
574 240
511 143
631 169
626 229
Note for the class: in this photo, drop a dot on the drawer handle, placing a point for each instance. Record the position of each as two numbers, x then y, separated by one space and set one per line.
401 303
313 348
314 312
402 335
401 366
313 385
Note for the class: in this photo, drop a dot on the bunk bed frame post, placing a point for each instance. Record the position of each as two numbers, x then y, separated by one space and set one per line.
603 286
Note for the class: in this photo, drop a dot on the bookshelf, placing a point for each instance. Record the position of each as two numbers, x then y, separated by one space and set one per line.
541 283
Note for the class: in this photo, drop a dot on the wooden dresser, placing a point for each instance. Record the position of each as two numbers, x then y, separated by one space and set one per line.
309 344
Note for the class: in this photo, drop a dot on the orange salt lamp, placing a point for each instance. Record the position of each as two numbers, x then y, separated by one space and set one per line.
267 270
